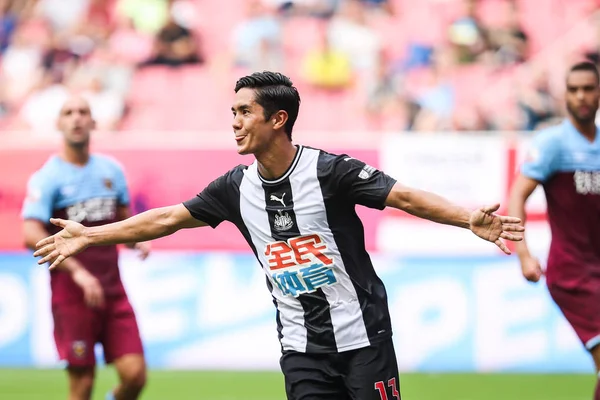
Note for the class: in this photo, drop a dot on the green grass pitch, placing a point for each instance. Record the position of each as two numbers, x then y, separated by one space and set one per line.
32 384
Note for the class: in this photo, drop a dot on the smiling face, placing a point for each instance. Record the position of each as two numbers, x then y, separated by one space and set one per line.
75 122
582 96
252 133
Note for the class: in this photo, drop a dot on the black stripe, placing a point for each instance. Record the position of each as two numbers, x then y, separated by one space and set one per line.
349 236
282 221
239 223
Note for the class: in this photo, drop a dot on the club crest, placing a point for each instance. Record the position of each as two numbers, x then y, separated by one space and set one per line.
283 221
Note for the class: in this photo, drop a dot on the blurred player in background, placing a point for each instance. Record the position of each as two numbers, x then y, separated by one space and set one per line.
565 160
295 206
89 303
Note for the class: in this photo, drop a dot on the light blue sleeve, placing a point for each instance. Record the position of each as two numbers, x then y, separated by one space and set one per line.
541 161
39 202
121 185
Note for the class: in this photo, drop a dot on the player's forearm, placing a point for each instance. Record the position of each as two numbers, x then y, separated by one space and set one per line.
428 206
149 225
516 208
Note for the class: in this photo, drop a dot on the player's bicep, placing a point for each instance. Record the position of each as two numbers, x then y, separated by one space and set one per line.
523 187
399 197
179 217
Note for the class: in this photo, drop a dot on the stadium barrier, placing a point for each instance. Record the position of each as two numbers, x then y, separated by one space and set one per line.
212 310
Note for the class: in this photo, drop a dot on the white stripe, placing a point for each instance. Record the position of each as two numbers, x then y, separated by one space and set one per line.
289 171
256 219
593 342
346 316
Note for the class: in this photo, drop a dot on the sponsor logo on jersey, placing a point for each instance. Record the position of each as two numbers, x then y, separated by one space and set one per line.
300 265
587 182
92 210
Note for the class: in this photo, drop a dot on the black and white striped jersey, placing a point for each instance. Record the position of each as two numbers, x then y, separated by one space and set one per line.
307 237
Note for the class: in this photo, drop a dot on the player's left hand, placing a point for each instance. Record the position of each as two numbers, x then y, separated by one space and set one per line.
491 227
143 249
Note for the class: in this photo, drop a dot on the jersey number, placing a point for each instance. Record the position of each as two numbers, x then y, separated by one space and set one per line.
380 387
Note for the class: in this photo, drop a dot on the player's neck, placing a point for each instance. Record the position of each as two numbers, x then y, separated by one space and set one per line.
76 155
587 129
276 160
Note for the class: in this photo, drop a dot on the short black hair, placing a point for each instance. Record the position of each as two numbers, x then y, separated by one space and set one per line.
586 66
274 92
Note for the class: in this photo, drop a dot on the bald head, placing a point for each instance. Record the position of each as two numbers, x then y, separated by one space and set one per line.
75 121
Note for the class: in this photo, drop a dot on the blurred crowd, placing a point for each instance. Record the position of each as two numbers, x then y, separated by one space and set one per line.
431 65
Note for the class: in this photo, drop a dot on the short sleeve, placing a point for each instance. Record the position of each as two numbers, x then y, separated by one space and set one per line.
121 186
542 157
210 205
360 182
39 201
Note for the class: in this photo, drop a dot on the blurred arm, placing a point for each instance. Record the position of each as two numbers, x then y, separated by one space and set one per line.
34 231
521 190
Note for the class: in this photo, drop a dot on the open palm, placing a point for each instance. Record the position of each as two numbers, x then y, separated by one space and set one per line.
491 227
62 245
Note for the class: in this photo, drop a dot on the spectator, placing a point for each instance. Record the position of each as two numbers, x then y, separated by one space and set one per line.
257 40
536 101
8 24
39 111
350 33
108 106
510 41
148 16
59 59
468 35
21 65
63 15
326 68
128 44
437 99
174 45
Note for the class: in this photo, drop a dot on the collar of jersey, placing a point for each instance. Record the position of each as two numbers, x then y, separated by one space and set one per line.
287 173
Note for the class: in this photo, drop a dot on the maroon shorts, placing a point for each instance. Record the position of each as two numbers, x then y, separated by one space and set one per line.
77 328
581 307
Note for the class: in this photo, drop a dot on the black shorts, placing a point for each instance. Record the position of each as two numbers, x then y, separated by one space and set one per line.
369 373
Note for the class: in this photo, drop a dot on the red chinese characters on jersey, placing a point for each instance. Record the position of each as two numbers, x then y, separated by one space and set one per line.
297 251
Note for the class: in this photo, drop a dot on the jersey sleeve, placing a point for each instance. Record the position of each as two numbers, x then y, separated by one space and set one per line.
211 205
121 186
361 183
542 157
39 201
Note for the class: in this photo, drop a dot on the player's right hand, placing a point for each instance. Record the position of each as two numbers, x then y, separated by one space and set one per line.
62 245
531 268
92 290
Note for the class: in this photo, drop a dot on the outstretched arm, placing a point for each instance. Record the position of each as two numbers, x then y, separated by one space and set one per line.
148 225
482 222
427 205
151 224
